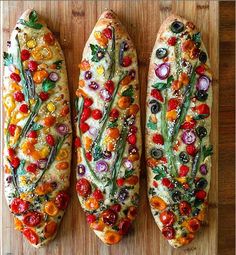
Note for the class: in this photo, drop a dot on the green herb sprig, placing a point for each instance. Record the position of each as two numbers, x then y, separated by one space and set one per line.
32 23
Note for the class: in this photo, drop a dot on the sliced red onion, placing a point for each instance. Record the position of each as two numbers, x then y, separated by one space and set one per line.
53 76
203 169
101 166
62 129
105 95
162 71
41 163
88 75
188 137
203 83
81 169
93 85
93 131
127 164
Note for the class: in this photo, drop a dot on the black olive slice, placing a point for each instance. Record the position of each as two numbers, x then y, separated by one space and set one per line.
203 57
176 196
156 153
201 183
184 157
161 53
177 27
201 132
201 95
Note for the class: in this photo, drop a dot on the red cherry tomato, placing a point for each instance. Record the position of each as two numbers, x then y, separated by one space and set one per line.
32 219
127 61
77 142
15 77
12 129
167 218
25 55
157 94
173 103
203 109
31 168
109 217
124 226
167 183
96 114
183 171
168 233
11 152
88 102
50 140
116 207
189 125
109 86
107 32
62 200
19 96
83 187
88 155
191 149
44 96
200 70
114 113
24 108
49 38
120 182
172 41
32 134
19 206
158 139
15 162
91 218
84 127
193 225
85 114
98 195
185 208
32 65
201 194
132 139
31 235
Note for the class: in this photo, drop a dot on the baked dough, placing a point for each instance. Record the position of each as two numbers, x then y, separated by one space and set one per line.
178 123
37 150
108 130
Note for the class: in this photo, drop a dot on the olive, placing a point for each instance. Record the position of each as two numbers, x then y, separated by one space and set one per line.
201 132
201 95
183 157
196 212
203 57
201 183
176 196
156 153
123 195
198 202
161 53
177 27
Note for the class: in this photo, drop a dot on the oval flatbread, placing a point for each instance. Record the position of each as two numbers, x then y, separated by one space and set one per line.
108 130
37 130
179 98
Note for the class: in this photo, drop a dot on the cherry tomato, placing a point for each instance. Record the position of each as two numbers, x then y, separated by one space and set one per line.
84 127
32 65
107 32
158 139
203 109
15 77
32 134
96 114
19 205
124 226
172 41
15 162
12 129
19 96
85 114
127 61
11 152
62 200
183 171
49 38
83 187
168 232
109 86
191 149
25 55
173 103
44 96
200 70
88 155
109 217
50 229
24 108
184 208
91 218
201 194
31 168
31 235
132 139
189 124
88 102
193 225
98 195
114 113
157 94
116 207
120 182
167 218
77 142
50 140
167 183
32 219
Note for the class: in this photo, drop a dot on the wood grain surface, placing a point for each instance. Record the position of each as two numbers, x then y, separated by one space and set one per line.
72 22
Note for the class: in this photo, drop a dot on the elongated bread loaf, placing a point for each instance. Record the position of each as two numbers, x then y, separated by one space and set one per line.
179 98
108 130
37 130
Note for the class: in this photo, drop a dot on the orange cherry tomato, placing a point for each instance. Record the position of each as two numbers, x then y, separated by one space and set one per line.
65 110
113 133
124 102
91 204
112 237
132 180
50 229
62 165
133 109
50 208
158 203
49 121
39 76
49 38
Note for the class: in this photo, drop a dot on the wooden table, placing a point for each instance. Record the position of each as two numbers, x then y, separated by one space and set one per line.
72 22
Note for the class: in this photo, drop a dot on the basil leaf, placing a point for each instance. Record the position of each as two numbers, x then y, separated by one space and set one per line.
128 92
97 52
207 151
128 173
30 24
48 85
33 17
160 173
97 153
162 85
170 79
197 37
7 59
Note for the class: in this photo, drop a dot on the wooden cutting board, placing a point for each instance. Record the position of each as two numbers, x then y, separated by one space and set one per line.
72 22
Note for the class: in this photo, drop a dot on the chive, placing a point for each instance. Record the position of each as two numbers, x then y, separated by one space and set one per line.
30 84
112 55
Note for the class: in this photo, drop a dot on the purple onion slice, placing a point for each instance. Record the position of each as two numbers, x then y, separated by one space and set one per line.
203 83
53 76
81 169
162 71
62 129
127 164
105 95
93 85
41 163
101 166
188 137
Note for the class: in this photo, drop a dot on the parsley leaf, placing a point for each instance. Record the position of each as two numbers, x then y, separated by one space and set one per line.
7 59
33 18
97 52
207 151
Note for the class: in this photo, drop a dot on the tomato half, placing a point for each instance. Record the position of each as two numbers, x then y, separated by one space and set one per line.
18 206
168 233
167 218
32 219
83 187
31 235
109 217
62 200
